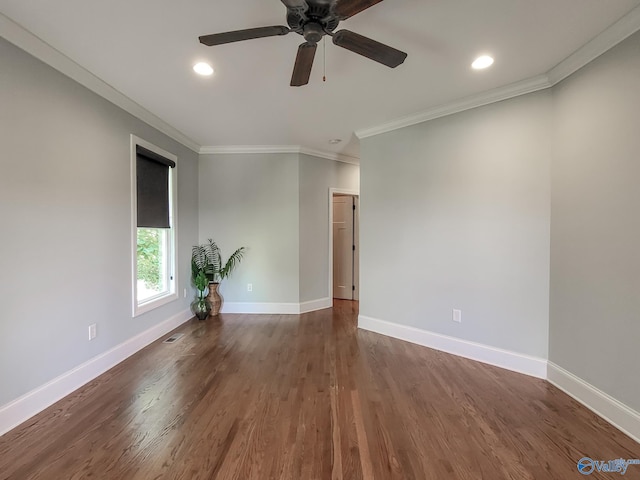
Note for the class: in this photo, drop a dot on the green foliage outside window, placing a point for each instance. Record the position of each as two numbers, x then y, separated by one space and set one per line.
149 257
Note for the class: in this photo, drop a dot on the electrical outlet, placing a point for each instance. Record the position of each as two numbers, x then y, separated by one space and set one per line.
249 287
457 316
92 331
185 293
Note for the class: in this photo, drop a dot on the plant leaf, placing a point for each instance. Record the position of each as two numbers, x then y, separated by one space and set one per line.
199 256
233 262
214 260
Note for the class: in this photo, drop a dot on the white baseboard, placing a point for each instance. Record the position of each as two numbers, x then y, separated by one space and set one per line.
602 404
313 305
275 308
257 307
517 362
33 402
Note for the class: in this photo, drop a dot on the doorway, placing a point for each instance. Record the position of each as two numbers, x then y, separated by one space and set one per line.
344 240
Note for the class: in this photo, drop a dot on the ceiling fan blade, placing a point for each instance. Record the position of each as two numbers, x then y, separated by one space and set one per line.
239 35
366 47
348 8
304 63
296 4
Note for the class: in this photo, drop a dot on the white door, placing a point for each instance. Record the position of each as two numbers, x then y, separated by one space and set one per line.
343 247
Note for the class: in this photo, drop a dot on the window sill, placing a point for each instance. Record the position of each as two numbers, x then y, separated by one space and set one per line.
147 306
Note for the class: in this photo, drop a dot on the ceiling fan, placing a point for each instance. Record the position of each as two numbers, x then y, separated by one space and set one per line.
313 19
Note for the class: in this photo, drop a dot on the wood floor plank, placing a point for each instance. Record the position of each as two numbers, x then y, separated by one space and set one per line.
306 397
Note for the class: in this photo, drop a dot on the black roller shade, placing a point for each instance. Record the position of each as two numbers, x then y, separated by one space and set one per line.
152 185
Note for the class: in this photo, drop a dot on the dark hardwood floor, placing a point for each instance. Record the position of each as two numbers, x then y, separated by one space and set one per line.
308 397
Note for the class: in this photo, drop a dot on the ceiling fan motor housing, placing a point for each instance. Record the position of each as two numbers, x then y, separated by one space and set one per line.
313 32
318 14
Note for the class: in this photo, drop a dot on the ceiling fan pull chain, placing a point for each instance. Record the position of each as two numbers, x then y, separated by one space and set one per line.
324 59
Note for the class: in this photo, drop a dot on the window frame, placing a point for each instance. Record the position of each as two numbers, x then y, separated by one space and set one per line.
139 308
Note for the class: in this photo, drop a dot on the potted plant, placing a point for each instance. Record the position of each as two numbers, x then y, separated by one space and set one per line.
207 259
201 306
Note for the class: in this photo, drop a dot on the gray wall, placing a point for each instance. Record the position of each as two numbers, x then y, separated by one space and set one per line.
277 206
65 259
317 176
455 214
251 200
595 224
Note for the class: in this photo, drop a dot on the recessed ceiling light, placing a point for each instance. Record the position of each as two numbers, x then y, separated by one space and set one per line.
203 68
481 62
335 141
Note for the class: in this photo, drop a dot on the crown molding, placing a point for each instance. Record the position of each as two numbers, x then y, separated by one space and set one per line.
41 50
485 98
609 38
336 157
239 149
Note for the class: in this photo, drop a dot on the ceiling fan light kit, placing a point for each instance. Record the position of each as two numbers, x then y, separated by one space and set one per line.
313 19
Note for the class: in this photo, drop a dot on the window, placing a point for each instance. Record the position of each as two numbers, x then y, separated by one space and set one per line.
153 180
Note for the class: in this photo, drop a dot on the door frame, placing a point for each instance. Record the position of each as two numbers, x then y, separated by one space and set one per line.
339 191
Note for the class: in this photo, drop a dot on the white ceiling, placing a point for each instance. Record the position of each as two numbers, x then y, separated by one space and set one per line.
145 49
